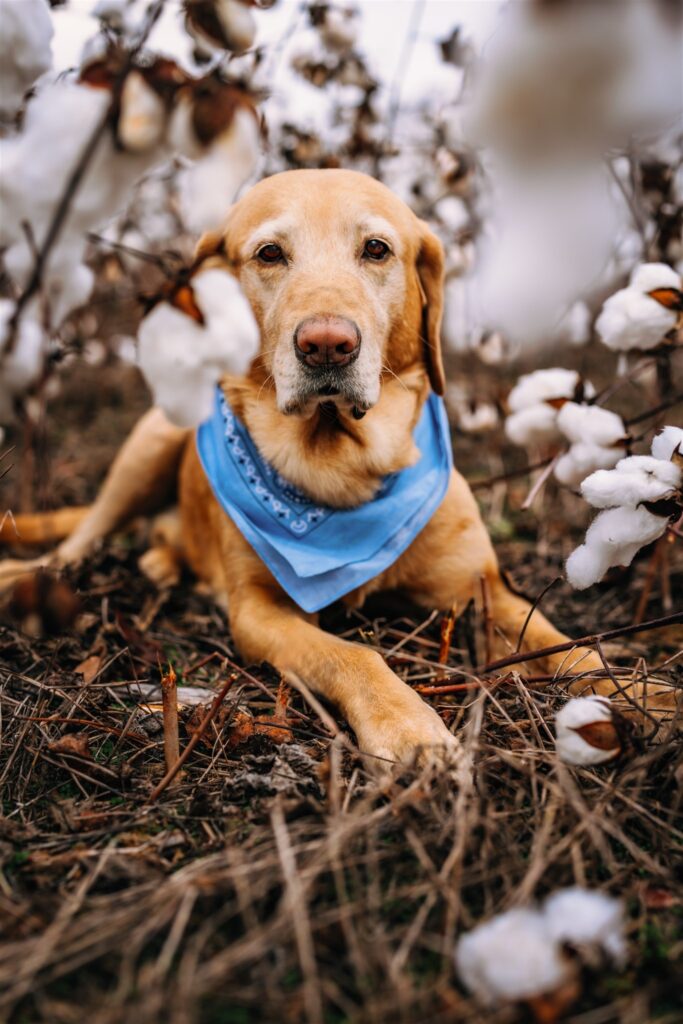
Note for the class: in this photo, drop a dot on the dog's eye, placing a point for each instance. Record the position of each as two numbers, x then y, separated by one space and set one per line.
270 253
376 249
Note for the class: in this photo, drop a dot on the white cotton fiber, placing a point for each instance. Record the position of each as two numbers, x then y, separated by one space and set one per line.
591 424
511 957
614 538
209 186
25 35
667 442
541 385
635 479
580 917
583 459
649 276
535 425
20 368
183 360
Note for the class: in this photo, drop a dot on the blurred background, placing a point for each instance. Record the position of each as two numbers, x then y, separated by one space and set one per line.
541 139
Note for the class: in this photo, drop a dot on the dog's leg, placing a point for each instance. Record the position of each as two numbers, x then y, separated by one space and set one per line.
453 562
139 480
389 719
446 566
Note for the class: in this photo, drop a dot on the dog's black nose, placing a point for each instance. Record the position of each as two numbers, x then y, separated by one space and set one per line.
327 341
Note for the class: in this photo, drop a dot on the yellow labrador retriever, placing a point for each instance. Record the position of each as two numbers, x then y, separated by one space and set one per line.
347 287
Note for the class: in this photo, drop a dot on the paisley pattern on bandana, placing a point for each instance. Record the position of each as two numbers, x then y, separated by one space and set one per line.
318 553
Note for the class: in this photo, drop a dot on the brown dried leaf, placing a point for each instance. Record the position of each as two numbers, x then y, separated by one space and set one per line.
183 299
657 898
602 735
672 298
73 743
89 668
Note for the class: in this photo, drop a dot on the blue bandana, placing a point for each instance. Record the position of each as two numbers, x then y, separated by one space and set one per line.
316 553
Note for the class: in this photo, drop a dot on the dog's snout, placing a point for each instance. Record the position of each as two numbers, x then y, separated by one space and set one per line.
326 341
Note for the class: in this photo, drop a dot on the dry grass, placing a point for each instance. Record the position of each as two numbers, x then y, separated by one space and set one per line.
277 880
280 881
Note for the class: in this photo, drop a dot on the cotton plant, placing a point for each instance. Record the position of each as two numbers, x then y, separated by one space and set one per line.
642 315
203 329
548 407
535 403
522 954
106 126
637 499
216 127
597 440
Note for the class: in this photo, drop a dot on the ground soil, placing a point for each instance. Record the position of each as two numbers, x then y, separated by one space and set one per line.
276 880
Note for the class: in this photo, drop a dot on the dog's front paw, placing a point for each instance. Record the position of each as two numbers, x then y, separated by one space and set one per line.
407 731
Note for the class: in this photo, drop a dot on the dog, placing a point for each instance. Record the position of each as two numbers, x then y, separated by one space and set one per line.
346 285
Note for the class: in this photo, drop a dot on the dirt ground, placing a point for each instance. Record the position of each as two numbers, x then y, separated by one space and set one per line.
276 881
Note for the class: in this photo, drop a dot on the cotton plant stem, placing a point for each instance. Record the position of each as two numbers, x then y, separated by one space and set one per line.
194 740
583 641
169 700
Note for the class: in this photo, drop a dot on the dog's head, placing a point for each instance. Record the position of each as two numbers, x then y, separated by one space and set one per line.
345 282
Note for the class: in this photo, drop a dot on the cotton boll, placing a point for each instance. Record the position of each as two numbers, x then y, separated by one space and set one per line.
25 35
68 290
583 918
224 25
142 120
510 958
632 320
170 350
582 459
30 186
60 121
182 359
586 566
648 277
339 27
638 317
635 479
532 426
22 366
625 531
542 385
452 213
585 732
590 423
208 188
614 538
667 443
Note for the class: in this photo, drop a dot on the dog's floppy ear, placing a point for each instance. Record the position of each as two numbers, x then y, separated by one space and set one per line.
430 275
210 245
